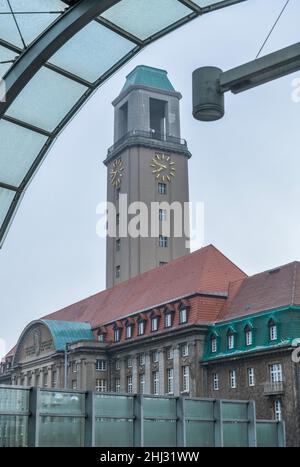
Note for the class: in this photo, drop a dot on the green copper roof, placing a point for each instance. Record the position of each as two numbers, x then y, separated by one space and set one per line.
144 75
66 332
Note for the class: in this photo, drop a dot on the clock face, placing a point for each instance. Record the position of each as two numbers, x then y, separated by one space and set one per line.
163 167
116 172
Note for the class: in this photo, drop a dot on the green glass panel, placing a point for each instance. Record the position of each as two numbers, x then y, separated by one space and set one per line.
234 410
19 148
14 400
144 18
92 52
156 407
117 406
235 434
46 99
61 432
266 434
13 431
201 409
200 434
159 433
60 402
113 433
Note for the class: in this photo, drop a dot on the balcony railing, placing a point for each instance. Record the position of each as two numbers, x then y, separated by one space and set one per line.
153 135
273 388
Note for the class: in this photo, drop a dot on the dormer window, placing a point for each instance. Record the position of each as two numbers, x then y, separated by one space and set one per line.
129 331
214 346
117 334
248 335
154 323
168 320
101 337
141 327
183 316
273 331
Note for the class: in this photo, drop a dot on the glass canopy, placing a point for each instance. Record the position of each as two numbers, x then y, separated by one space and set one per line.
53 55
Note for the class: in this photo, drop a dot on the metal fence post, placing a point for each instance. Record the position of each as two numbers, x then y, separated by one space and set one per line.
138 430
34 418
281 440
252 437
181 422
90 417
218 423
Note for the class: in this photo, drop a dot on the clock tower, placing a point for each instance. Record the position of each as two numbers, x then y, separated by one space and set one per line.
149 164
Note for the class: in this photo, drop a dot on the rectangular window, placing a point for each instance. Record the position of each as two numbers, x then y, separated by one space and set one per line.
129 384
154 324
118 244
185 378
231 341
251 380
142 384
45 380
101 385
117 385
232 379
118 272
101 338
74 384
162 188
170 381
141 359
129 362
183 316
162 214
248 337
74 367
156 383
141 327
214 345
168 320
273 332
117 365
215 382
169 353
163 241
101 365
155 356
277 410
129 331
117 335
276 373
184 350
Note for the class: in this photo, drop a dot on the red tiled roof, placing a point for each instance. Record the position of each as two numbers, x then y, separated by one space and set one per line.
205 271
265 291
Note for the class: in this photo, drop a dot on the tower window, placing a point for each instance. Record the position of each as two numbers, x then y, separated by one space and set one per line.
118 272
162 214
162 188
158 118
118 244
123 120
163 241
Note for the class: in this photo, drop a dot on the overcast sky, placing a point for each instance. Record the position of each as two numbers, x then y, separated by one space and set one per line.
245 168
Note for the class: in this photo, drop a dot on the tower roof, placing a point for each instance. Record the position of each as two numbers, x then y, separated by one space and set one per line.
143 75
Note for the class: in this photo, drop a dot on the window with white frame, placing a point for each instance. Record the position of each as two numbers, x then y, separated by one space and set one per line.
185 378
101 337
232 379
142 383
141 327
129 362
154 323
101 365
273 331
213 344
230 338
117 335
117 385
163 241
251 378
276 375
162 188
248 337
141 359
101 385
117 365
182 315
155 356
277 410
215 382
184 350
170 381
169 353
129 328
155 383
168 320
129 384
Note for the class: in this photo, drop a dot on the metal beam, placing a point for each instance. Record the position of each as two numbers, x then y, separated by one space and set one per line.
32 59
210 83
